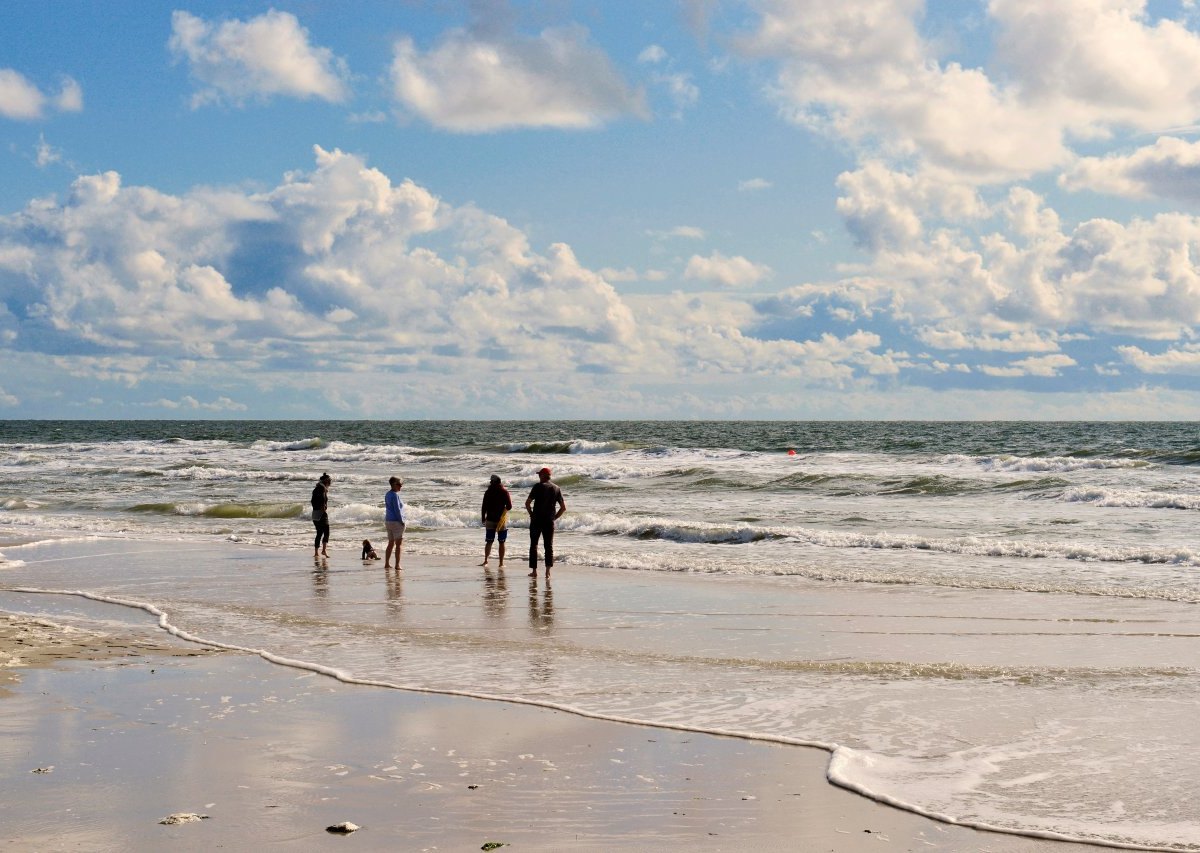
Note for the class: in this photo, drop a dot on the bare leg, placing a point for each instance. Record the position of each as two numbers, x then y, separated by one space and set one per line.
387 555
501 555
487 552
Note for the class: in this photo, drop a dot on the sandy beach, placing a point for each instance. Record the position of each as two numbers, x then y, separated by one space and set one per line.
106 735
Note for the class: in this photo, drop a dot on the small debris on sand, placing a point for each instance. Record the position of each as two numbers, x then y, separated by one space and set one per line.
49 769
182 817
343 828
492 845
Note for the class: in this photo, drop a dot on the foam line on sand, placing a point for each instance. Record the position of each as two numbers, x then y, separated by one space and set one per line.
838 769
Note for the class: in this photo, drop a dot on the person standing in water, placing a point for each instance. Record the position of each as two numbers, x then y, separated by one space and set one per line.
394 521
320 515
496 504
545 506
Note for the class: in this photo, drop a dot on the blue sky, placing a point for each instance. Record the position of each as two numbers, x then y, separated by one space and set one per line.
605 209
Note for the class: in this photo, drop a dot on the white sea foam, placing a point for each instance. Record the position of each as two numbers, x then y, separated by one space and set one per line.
1132 498
665 528
668 529
203 473
19 503
284 446
1044 465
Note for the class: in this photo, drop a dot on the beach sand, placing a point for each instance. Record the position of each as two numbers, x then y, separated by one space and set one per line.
105 736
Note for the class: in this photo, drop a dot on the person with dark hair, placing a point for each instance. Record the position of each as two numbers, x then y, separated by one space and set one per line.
496 504
545 506
320 515
368 551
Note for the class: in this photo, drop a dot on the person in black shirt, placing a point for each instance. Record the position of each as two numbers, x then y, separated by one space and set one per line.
545 506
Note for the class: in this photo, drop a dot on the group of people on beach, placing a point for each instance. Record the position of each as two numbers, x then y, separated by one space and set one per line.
545 505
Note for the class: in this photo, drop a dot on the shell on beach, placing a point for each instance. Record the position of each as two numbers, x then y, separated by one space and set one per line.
182 817
344 827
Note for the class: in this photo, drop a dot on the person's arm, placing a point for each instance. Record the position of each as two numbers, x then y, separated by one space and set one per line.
562 506
529 503
507 500
483 510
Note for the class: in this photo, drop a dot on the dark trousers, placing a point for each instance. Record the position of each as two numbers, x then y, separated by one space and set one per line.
322 533
545 529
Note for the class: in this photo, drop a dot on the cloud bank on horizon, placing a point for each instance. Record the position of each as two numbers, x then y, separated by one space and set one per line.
997 220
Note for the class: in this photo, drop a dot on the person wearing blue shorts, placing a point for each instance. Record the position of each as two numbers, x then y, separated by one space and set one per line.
496 504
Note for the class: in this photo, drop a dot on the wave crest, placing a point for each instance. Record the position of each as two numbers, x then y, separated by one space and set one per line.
313 443
575 445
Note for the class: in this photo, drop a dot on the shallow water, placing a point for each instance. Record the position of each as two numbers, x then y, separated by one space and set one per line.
994 622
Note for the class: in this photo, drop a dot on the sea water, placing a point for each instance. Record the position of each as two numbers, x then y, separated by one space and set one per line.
995 623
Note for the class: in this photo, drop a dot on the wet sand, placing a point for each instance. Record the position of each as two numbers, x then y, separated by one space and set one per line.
104 736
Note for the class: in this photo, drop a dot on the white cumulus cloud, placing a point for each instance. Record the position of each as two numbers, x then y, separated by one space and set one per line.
22 100
1184 360
1168 169
734 271
266 56
325 285
1067 70
477 84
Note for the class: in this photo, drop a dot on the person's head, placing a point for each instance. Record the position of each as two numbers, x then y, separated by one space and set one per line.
544 474
326 480
495 480
396 483
366 544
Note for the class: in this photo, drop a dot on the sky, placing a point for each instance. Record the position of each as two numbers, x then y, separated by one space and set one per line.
609 209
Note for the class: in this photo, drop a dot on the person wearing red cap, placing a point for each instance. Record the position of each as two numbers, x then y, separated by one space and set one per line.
545 506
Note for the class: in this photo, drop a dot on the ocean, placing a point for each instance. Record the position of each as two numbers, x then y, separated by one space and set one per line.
994 623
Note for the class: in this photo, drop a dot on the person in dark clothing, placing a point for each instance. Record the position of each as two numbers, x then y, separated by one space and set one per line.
496 504
320 515
545 506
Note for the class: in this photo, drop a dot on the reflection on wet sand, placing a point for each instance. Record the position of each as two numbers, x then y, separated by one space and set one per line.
495 593
541 612
395 591
541 622
320 577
